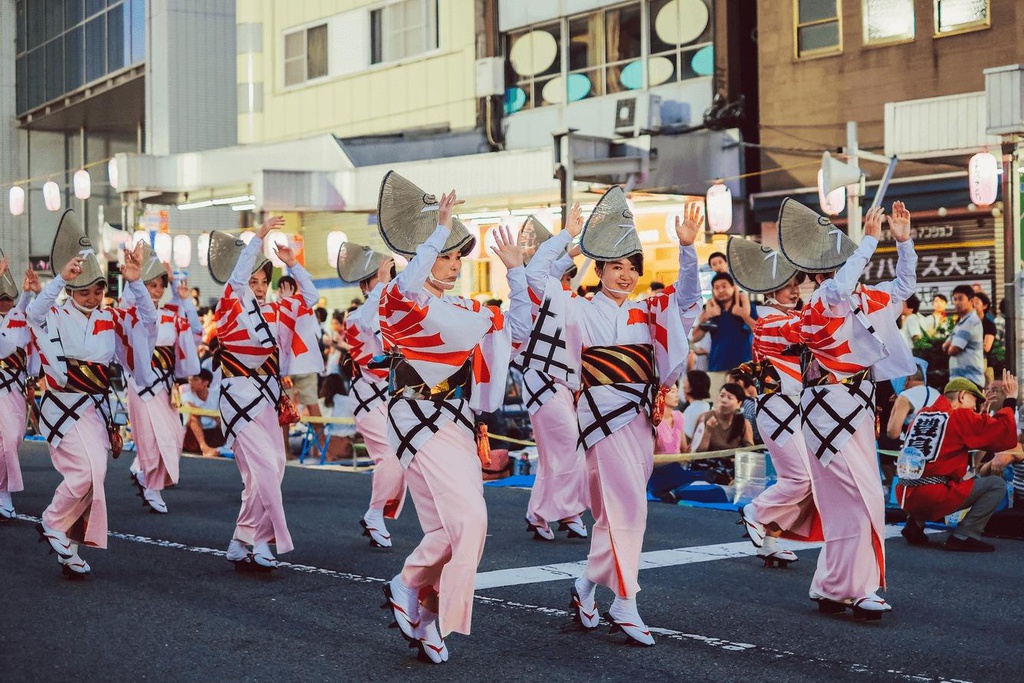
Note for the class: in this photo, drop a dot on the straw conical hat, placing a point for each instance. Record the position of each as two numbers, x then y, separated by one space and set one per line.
152 267
810 241
610 234
757 268
8 287
69 242
407 216
223 254
357 263
532 235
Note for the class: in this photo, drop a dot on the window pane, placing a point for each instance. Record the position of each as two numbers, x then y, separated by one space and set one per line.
294 44
622 34
316 52
294 72
138 31
115 39
432 25
585 42
815 10
94 6
72 12
19 19
54 17
54 69
21 83
888 20
955 13
95 48
376 37
74 65
36 77
36 18
818 37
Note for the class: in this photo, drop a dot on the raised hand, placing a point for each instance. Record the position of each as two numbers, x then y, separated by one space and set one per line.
286 254
31 282
446 207
384 270
4 263
873 222
899 222
688 226
1010 387
574 224
711 309
271 223
73 268
184 293
506 247
132 268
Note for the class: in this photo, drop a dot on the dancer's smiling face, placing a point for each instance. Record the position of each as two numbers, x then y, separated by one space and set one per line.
619 276
445 271
91 297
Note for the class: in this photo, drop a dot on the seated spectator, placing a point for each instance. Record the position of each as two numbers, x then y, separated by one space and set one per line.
933 465
722 428
915 397
749 409
696 391
699 350
202 433
670 437
338 404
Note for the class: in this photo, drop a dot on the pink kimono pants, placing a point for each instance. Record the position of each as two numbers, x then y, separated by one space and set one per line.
158 435
388 493
12 431
560 490
259 453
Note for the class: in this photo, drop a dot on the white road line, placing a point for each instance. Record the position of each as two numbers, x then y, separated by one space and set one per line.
707 553
654 559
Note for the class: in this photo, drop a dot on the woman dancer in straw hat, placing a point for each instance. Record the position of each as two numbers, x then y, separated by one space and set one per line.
559 493
788 508
18 362
450 357
372 271
156 424
850 330
259 343
623 351
78 340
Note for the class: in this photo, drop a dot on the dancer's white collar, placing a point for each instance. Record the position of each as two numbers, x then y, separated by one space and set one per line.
616 291
84 310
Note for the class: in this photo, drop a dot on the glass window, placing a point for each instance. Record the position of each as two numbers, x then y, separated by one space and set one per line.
955 16
36 22
19 20
534 68
403 29
94 6
887 21
72 12
74 65
21 80
681 37
305 55
138 31
54 69
36 78
54 17
116 39
622 29
817 27
95 48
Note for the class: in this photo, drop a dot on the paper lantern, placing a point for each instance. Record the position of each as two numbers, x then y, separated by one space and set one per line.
983 178
203 249
112 173
833 203
51 196
274 239
16 197
82 183
182 251
140 236
335 239
163 246
719 208
246 236
400 261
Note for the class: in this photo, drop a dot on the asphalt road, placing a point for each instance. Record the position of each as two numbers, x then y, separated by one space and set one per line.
163 603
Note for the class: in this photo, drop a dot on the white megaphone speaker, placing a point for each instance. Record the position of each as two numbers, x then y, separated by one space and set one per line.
836 174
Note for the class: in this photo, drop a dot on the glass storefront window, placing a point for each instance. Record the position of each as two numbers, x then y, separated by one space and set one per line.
117 50
54 69
74 69
95 48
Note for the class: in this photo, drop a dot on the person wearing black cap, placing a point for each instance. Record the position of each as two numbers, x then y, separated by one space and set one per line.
932 466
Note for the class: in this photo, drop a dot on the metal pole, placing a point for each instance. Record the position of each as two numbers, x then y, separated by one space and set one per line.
1011 253
853 191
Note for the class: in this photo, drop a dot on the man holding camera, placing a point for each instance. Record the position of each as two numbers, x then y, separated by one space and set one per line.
728 318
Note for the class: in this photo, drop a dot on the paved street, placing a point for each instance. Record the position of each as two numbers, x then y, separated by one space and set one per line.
163 604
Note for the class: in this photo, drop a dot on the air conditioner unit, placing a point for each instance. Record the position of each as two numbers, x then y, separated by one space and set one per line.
637 114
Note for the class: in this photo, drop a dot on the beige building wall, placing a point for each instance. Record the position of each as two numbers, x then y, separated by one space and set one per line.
354 98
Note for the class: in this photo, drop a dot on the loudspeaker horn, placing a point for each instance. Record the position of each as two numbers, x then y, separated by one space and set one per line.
836 174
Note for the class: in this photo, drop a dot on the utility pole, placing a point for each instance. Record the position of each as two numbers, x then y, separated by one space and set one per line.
853 192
